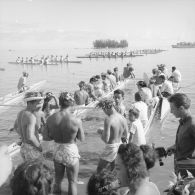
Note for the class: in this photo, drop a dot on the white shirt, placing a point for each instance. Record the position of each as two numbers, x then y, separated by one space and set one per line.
146 94
167 87
176 75
143 109
138 133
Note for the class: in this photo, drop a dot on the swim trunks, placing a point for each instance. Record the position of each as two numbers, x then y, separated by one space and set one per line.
29 152
66 154
110 152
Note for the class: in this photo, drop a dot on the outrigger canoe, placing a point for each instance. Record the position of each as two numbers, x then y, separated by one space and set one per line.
33 64
15 148
16 97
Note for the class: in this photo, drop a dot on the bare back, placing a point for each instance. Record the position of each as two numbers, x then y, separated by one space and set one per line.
116 124
63 127
26 122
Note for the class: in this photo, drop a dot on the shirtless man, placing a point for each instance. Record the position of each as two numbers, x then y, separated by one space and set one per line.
22 82
115 127
81 97
27 126
65 129
118 98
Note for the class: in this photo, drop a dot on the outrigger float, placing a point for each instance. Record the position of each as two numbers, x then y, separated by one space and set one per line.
156 113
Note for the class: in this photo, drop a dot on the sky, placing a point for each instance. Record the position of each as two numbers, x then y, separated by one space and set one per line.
77 23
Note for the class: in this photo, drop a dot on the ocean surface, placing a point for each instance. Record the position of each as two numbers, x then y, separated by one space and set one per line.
66 77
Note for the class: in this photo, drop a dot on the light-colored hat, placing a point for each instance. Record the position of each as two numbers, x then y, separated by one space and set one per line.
33 95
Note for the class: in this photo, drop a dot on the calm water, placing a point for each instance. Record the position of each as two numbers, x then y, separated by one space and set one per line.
66 77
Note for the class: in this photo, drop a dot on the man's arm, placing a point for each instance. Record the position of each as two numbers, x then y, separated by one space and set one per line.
106 133
45 133
80 133
31 133
125 132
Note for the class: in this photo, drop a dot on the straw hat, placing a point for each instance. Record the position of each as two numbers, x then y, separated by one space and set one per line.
34 95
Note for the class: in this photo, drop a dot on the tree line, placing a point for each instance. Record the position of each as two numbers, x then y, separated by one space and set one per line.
109 44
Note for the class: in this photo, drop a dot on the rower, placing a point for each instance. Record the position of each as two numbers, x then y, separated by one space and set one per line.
98 87
81 97
112 79
175 77
106 83
22 82
115 73
90 88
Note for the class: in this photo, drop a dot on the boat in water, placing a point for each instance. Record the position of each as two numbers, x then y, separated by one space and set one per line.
184 45
13 98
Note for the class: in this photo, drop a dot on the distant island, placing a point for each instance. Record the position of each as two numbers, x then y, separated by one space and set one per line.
184 45
99 44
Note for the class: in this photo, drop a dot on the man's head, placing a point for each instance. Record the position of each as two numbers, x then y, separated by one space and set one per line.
34 100
103 75
118 96
109 71
116 69
25 74
107 106
81 84
173 68
137 97
92 80
66 100
154 71
141 84
161 79
133 114
180 104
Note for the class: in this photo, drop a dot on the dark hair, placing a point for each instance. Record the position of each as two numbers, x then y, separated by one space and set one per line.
135 112
102 183
133 159
66 100
97 76
137 97
46 100
119 91
173 68
142 84
92 79
180 99
149 156
162 77
116 68
31 178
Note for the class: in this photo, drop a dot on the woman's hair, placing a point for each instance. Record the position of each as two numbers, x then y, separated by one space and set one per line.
180 99
149 156
135 112
133 160
103 183
32 178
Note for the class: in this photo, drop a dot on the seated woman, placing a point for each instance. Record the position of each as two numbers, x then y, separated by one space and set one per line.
131 170
32 178
49 108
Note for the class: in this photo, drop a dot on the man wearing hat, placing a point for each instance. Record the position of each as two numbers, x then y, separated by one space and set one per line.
22 82
81 97
26 126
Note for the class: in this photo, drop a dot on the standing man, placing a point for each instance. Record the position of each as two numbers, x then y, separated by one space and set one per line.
90 88
115 127
184 147
81 97
175 77
65 129
27 126
116 74
22 82
112 79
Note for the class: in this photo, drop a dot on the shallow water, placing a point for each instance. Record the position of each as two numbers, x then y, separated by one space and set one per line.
66 77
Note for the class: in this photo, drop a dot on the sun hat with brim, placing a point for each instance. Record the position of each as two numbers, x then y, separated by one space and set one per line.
31 96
